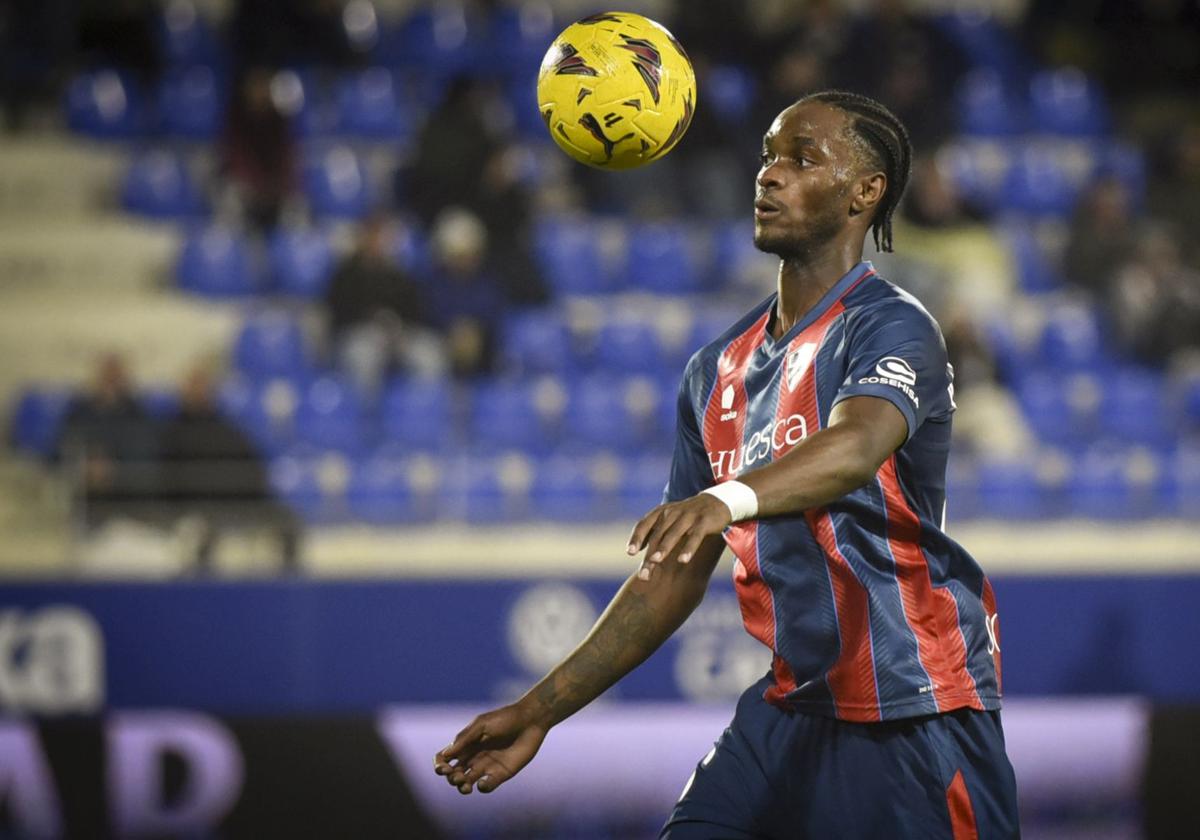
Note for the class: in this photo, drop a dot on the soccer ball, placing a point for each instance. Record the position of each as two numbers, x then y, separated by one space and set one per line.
616 90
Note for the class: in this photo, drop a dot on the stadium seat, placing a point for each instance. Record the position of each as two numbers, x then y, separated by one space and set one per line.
642 483
610 413
272 344
336 184
984 40
1181 485
264 410
410 249
1035 273
517 37
1115 485
706 328
564 491
735 260
185 37
382 492
1064 101
417 414
371 107
436 40
1060 409
331 415
1009 490
105 104
986 108
497 491
301 261
159 185
1071 340
977 169
36 421
662 258
216 262
514 415
625 346
731 91
316 487
1037 185
537 341
1135 408
191 103
962 490
569 255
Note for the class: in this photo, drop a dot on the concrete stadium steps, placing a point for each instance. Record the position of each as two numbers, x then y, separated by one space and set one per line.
57 177
34 519
102 254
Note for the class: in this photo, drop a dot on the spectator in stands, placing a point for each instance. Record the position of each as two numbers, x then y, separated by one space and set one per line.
1155 298
378 316
1175 191
111 443
213 475
1101 237
468 300
933 201
505 206
258 151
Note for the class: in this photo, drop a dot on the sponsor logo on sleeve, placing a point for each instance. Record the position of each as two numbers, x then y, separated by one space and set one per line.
727 403
894 371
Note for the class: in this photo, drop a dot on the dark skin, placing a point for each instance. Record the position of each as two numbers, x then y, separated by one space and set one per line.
815 198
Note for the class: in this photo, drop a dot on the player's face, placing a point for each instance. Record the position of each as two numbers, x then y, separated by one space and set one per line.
803 188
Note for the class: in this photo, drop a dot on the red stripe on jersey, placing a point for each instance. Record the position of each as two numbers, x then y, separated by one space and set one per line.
931 613
962 814
724 427
993 629
851 680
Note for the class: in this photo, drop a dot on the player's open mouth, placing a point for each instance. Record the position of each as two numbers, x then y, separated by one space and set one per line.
765 209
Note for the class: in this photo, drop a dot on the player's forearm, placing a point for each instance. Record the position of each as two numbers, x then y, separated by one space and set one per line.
819 470
641 616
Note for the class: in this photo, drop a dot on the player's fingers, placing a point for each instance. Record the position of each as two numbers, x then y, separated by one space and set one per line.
637 539
690 543
665 523
669 538
488 774
465 743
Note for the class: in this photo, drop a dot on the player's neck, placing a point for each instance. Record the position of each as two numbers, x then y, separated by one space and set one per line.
804 280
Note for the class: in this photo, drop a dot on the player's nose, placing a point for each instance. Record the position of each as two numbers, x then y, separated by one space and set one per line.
767 178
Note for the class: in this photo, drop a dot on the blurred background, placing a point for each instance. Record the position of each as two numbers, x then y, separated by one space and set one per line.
331 389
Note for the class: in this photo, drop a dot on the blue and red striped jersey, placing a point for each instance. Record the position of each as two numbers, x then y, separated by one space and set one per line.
871 610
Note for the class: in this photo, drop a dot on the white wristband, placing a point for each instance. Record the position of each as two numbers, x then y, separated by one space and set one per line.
739 498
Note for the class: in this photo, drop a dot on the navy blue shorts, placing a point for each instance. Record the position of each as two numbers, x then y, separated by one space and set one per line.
789 775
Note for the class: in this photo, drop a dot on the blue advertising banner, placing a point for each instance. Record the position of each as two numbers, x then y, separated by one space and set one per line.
312 647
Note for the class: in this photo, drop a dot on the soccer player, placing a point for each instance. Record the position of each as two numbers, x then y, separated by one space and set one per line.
812 440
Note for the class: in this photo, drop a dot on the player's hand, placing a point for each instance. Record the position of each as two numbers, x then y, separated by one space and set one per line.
677 527
491 750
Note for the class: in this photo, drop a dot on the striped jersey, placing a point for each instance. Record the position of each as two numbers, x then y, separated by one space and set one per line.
871 611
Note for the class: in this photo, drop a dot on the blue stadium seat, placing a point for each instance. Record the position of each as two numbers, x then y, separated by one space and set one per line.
517 37
331 415
383 492
105 104
191 103
410 249
735 260
264 410
185 37
1052 413
1136 409
272 344
497 491
159 403
521 96
1035 272
436 40
1064 101
984 40
564 491
216 262
986 108
706 327
1125 163
537 341
642 483
730 91
301 261
1037 185
662 258
371 107
962 490
316 487
626 346
336 183
418 414
1009 490
1072 340
509 415
610 413
570 258
1115 484
1181 485
159 185
1189 401
36 421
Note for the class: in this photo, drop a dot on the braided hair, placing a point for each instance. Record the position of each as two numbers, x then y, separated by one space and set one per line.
883 139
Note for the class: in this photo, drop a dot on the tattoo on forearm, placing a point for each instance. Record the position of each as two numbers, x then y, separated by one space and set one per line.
624 637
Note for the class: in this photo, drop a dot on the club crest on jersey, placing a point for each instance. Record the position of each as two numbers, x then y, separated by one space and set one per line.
797 364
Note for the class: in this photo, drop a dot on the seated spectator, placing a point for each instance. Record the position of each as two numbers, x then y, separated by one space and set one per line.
258 151
469 301
932 200
1175 190
109 442
1101 237
1155 299
378 316
213 475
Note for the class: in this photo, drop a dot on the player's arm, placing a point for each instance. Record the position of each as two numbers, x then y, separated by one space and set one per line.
643 614
863 432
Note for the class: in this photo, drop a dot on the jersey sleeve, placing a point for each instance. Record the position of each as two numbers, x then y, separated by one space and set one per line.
691 471
897 353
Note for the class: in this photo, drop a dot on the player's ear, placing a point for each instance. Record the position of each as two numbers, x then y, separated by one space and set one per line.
868 192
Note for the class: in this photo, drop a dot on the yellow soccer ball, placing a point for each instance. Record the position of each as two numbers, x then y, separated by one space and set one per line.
616 90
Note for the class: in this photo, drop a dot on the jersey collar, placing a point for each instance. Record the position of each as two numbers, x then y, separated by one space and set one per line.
839 290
